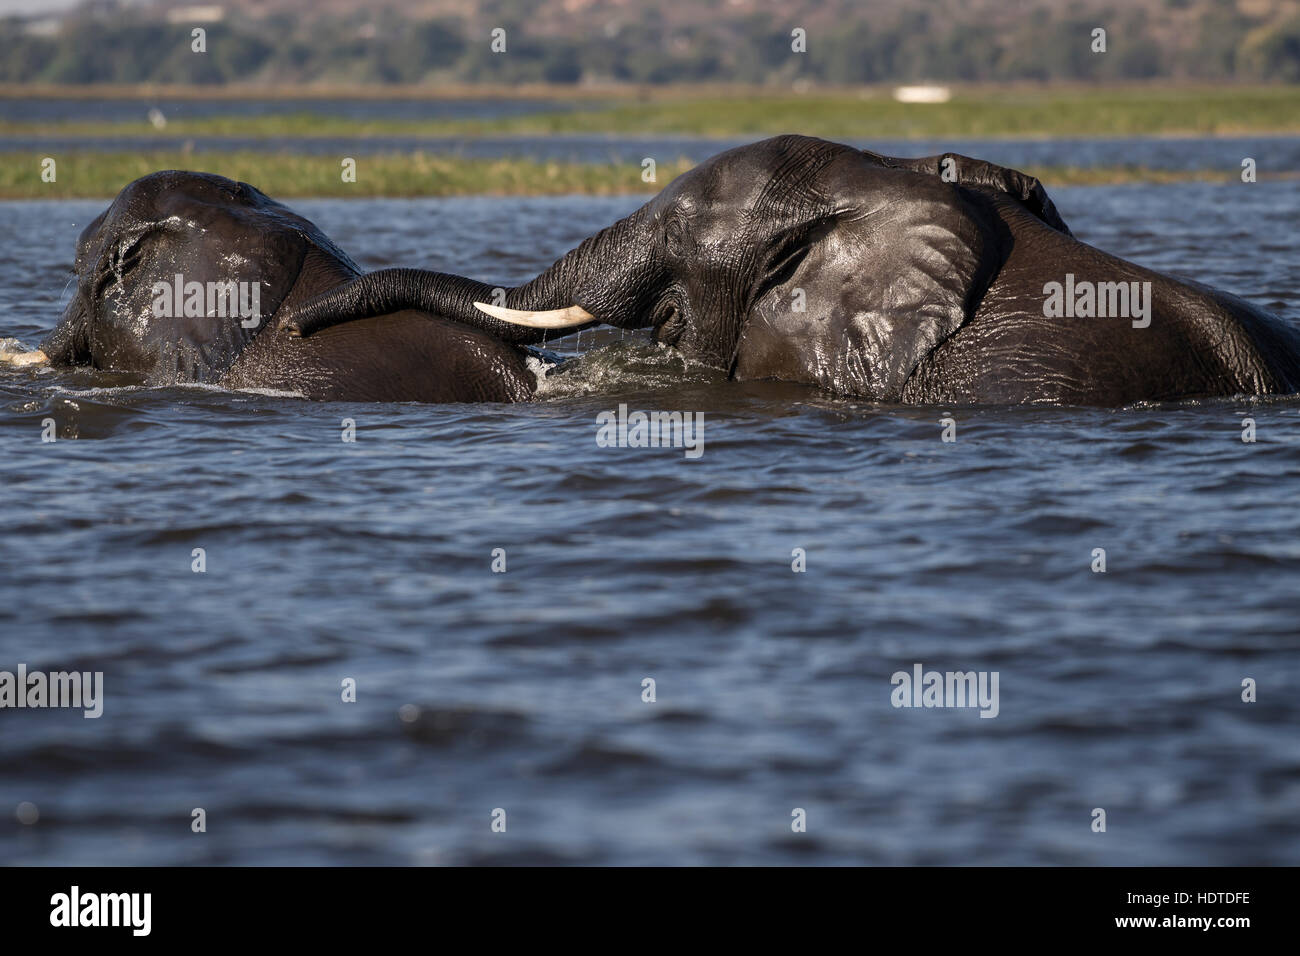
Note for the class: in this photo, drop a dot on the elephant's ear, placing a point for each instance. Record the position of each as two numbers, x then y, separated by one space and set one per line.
962 170
899 265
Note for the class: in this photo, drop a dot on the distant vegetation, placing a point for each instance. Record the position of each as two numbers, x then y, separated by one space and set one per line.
287 176
666 42
280 175
671 67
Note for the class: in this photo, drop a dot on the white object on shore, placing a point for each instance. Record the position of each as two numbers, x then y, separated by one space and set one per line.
922 94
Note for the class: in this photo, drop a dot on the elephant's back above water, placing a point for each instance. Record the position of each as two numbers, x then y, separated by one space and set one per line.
406 356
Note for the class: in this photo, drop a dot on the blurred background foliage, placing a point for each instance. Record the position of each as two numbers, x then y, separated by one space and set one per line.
295 42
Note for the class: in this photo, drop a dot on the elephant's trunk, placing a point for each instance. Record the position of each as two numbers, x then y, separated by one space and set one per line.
608 276
392 290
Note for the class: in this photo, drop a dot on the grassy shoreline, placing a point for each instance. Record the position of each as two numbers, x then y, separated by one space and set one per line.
100 175
1013 112
291 176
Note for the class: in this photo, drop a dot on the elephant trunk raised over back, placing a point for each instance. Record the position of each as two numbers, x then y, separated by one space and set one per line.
601 277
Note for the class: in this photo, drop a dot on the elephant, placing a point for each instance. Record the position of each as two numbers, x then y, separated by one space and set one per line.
182 278
941 280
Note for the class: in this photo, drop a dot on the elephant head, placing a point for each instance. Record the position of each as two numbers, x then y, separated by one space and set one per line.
181 279
180 274
791 258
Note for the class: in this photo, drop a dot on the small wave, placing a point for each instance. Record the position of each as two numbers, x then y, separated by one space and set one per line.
97 391
208 388
267 392
623 366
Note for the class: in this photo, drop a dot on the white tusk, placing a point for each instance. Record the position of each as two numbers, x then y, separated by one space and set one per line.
23 358
554 319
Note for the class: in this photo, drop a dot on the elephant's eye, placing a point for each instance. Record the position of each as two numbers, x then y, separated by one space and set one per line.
675 234
669 323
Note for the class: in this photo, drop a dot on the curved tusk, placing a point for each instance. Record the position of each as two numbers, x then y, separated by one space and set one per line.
23 358
554 319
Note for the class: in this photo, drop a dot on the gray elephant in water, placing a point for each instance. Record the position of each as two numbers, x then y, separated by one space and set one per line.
183 278
937 280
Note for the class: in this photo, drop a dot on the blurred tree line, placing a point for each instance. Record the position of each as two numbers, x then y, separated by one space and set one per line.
863 45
